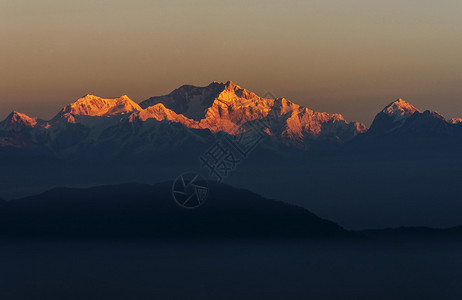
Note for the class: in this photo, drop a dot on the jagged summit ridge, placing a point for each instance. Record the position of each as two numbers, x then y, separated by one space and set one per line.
17 121
192 101
399 109
91 105
402 117
20 118
227 107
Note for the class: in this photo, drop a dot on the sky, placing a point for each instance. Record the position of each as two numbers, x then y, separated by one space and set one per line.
350 57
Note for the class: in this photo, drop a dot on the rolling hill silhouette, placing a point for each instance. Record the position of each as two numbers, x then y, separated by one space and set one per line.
148 211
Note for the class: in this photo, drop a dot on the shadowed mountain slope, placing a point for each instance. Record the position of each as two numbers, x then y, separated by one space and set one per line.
145 211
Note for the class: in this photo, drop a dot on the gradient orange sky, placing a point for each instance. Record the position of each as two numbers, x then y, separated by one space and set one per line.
349 57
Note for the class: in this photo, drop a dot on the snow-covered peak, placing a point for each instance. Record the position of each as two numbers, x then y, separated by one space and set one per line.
16 118
400 115
227 107
91 105
231 86
189 100
400 109
160 113
234 94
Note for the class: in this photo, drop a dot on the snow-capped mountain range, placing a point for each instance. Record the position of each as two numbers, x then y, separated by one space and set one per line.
195 114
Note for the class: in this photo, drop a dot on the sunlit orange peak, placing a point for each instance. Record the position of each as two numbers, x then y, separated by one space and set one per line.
92 105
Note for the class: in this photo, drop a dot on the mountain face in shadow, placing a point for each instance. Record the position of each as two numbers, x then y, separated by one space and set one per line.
402 127
148 211
402 119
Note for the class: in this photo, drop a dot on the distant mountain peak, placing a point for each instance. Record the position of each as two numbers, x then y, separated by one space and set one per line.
400 108
393 116
227 107
231 85
434 114
91 105
402 118
159 112
227 84
17 118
